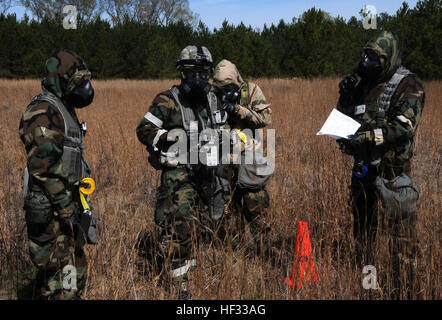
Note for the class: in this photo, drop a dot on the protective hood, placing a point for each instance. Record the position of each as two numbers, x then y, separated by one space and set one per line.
226 73
64 69
386 45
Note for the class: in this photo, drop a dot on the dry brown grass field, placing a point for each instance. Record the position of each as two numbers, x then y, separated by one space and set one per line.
310 183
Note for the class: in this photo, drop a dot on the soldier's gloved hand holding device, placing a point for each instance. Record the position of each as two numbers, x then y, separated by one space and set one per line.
230 97
348 84
352 143
345 146
229 107
355 141
359 138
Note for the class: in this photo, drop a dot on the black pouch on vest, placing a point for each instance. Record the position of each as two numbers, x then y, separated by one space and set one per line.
38 208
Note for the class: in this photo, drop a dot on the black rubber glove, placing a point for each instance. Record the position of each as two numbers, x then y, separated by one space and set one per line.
229 107
363 137
348 84
354 140
345 146
232 96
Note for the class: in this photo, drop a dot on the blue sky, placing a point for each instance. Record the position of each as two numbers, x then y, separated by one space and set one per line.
258 12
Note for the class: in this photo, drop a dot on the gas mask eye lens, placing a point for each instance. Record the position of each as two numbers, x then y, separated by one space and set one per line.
192 74
370 66
204 75
231 89
371 55
188 74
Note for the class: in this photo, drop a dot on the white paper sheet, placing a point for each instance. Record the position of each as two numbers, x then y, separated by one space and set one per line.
338 125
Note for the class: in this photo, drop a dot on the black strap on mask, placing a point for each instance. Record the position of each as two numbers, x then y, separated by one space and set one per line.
199 51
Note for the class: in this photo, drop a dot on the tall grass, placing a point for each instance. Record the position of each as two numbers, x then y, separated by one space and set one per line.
310 183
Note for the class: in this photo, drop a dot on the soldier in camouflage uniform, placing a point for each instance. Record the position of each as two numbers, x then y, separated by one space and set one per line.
382 147
52 137
176 211
247 108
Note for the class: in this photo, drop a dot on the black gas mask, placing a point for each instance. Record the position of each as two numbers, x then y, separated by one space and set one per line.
81 96
370 67
195 81
229 93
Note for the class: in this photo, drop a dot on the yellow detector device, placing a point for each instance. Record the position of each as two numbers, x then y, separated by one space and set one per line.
86 191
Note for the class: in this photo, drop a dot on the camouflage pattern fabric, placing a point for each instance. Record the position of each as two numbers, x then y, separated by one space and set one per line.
61 68
174 212
394 148
252 112
166 116
403 246
226 73
42 132
386 45
51 197
181 187
190 57
403 117
51 251
251 207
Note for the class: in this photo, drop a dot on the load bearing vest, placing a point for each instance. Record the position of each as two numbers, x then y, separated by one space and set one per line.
72 159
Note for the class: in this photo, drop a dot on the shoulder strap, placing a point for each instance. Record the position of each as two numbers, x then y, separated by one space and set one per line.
213 106
384 103
186 113
72 131
245 94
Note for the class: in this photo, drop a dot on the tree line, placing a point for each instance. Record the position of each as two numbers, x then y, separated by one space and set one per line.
129 45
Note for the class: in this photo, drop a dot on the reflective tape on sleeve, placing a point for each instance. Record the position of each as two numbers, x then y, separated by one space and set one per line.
155 120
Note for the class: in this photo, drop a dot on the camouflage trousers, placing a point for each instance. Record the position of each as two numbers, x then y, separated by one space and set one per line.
367 214
175 215
62 266
250 205
180 215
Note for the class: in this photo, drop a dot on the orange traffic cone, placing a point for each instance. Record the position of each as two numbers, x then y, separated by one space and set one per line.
302 258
